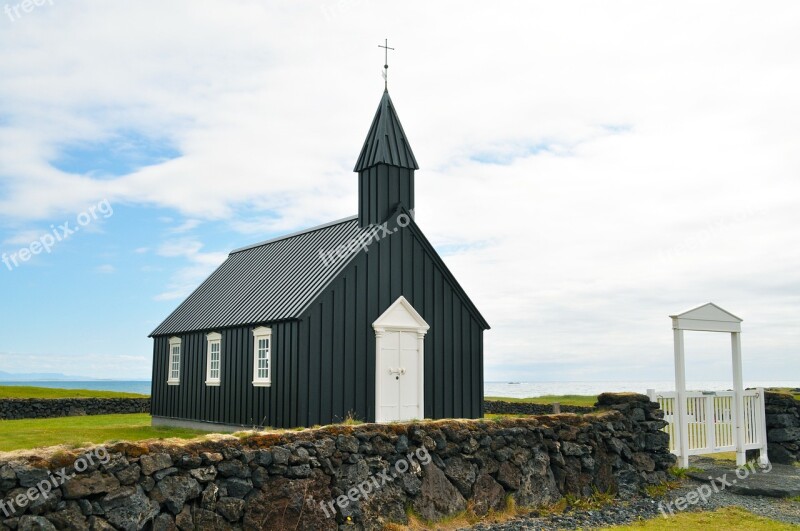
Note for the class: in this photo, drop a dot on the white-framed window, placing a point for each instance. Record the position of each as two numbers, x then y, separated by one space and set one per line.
262 356
214 359
174 368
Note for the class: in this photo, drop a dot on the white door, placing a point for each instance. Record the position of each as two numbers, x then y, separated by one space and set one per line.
399 390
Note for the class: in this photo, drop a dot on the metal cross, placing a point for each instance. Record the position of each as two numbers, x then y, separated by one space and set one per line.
386 49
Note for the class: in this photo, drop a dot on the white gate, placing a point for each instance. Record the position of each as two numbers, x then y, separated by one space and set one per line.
710 421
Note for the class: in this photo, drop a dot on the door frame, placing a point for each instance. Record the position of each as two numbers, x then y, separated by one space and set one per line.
400 316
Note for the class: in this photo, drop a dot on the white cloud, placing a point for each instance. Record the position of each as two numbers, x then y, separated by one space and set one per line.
187 278
105 268
645 153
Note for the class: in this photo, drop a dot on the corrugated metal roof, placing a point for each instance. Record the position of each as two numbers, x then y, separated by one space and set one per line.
386 141
266 282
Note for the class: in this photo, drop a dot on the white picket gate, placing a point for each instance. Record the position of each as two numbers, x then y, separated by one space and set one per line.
710 424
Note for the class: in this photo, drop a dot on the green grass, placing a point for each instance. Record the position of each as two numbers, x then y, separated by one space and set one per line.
565 400
13 391
729 519
785 390
78 431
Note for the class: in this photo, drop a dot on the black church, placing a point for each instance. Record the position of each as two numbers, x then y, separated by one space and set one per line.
359 317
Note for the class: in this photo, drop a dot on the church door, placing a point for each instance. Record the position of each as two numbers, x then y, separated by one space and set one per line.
399 348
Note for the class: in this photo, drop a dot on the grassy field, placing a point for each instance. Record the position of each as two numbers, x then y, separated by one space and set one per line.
77 431
567 400
729 519
786 390
13 391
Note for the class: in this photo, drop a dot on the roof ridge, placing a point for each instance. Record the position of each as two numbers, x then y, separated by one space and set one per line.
294 234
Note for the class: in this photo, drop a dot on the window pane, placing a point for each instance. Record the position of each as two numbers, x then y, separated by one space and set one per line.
214 357
262 358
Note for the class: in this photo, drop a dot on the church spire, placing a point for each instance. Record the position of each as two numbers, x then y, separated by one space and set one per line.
385 167
386 141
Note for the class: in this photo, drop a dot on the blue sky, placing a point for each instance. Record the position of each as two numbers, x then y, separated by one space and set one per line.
586 170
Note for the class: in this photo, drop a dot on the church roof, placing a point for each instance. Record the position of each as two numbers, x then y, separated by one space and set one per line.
386 141
266 282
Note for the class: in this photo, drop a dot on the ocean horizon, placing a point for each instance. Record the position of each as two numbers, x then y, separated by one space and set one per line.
503 389
121 386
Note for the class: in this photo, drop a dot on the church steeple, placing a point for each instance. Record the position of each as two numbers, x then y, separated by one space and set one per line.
385 167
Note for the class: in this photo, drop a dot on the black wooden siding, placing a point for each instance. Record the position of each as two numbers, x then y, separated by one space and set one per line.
341 377
235 401
380 189
324 363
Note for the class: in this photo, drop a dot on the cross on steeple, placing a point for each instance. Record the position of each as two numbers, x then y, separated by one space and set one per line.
386 49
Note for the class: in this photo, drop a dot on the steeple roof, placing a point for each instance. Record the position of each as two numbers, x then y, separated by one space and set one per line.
386 141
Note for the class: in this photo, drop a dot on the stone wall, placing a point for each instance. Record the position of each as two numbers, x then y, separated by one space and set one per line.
783 427
35 408
522 408
344 474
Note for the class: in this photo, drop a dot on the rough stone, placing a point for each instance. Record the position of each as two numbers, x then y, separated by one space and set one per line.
205 474
783 435
509 476
174 491
8 478
184 520
231 508
203 519
161 474
129 508
644 462
280 456
100 524
95 483
28 476
208 500
154 463
164 522
283 504
129 475
462 474
437 497
233 468
35 523
70 517
237 487
212 457
488 495
347 443
537 484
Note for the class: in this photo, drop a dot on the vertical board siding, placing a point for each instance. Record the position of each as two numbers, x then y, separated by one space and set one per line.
380 189
323 364
393 266
235 401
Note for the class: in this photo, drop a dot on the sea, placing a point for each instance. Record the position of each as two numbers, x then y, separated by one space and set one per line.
505 389
531 389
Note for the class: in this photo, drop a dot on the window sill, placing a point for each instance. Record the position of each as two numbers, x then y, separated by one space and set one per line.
214 383
173 383
262 384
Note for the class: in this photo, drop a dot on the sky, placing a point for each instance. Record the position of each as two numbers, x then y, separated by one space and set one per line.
586 168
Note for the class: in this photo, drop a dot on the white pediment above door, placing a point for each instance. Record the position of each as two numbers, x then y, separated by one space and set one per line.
401 315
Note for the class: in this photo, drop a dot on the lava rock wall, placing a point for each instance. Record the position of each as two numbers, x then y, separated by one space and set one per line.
363 475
